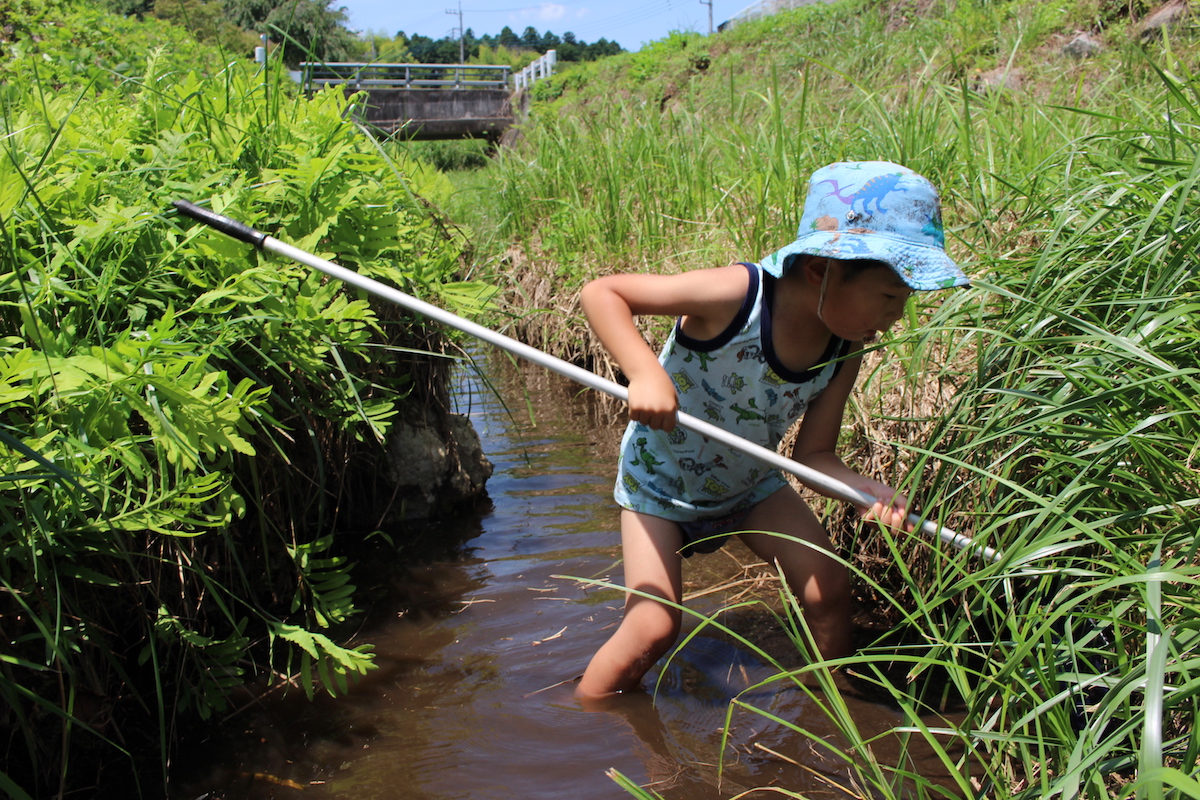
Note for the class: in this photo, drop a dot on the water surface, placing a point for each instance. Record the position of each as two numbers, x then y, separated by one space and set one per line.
479 641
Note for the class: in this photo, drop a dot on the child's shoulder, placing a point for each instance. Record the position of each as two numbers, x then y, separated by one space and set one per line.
718 297
699 292
722 286
732 280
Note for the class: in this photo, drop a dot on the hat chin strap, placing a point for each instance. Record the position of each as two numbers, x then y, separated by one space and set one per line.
821 297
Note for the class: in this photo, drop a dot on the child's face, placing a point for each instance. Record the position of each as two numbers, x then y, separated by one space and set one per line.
858 306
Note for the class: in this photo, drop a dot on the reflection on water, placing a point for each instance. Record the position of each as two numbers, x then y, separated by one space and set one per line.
477 646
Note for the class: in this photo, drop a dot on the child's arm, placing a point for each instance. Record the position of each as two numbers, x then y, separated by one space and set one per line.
708 298
816 447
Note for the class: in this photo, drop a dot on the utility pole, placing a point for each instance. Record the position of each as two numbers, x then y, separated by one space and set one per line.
462 58
709 4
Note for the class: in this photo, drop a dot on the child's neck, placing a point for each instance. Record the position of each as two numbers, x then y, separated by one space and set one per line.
797 332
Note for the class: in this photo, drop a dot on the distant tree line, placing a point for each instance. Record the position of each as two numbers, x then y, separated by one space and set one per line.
317 30
426 50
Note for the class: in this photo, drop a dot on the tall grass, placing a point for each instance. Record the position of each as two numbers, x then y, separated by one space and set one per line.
713 167
1050 411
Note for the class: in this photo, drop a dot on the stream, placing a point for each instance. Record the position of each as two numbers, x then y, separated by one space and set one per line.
479 637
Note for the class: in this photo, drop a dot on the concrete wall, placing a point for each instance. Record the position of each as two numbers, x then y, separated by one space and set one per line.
439 113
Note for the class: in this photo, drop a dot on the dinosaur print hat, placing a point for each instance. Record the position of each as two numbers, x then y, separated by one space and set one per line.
874 210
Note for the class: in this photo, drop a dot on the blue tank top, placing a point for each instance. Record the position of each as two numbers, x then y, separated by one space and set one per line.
736 381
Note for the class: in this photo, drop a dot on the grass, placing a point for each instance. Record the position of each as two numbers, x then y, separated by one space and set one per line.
1049 411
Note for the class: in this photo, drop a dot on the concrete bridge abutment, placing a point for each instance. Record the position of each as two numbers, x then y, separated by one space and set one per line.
422 114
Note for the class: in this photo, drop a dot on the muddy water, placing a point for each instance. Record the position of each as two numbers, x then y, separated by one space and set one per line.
478 642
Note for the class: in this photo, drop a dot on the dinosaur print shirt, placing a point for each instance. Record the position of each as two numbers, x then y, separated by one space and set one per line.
735 381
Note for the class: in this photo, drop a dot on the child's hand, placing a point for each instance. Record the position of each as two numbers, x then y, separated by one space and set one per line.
891 506
653 402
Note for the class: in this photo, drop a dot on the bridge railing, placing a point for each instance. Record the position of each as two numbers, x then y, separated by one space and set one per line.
542 68
315 75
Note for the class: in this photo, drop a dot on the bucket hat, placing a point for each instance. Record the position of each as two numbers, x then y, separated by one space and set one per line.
874 210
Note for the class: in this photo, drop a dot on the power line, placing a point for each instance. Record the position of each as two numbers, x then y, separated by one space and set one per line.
627 18
503 10
427 20
622 20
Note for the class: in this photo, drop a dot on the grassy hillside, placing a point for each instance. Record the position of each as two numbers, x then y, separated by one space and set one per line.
1049 411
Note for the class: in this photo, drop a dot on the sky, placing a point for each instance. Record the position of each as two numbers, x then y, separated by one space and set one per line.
630 23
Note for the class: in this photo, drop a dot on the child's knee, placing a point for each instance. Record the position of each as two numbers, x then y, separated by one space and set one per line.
656 625
828 593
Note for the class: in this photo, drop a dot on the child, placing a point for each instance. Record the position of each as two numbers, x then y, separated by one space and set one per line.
755 348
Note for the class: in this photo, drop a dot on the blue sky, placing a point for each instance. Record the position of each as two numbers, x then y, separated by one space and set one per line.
631 23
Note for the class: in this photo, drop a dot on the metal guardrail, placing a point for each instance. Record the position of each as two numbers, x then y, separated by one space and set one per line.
315 74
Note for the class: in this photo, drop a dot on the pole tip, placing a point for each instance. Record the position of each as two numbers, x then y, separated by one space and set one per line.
226 225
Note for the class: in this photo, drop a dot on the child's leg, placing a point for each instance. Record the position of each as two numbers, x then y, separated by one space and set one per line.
650 546
821 584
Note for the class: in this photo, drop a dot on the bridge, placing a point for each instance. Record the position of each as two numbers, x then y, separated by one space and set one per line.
423 101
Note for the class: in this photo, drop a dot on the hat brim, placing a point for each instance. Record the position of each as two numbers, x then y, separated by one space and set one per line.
922 268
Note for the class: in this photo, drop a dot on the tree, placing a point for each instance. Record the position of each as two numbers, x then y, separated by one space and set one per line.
380 47
249 14
489 54
130 8
309 30
600 48
569 51
446 51
205 19
420 46
506 48
508 38
433 51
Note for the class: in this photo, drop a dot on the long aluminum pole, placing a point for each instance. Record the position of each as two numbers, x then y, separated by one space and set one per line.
807 475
